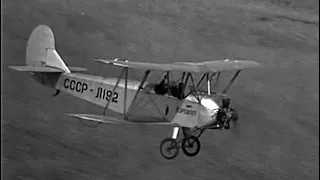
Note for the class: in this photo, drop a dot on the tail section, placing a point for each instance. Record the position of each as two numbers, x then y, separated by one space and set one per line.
41 53
42 60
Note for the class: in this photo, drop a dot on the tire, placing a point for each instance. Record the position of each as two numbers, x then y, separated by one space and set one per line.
191 141
169 145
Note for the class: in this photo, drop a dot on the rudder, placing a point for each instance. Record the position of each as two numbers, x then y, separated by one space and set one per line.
41 50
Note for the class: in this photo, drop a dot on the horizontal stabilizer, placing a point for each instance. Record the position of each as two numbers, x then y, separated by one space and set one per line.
35 69
44 69
77 69
116 120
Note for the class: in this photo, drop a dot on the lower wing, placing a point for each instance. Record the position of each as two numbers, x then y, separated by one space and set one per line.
120 120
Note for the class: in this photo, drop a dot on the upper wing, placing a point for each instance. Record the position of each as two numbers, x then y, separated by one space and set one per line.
118 120
207 66
151 66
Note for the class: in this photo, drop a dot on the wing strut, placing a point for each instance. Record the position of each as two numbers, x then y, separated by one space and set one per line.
199 82
231 82
208 84
140 87
114 89
125 91
209 77
194 88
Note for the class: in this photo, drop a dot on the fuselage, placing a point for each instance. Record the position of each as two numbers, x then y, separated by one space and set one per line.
98 90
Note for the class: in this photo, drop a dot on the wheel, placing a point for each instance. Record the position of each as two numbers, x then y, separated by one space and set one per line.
169 148
191 146
89 123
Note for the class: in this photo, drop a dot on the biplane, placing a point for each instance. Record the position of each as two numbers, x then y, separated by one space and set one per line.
180 103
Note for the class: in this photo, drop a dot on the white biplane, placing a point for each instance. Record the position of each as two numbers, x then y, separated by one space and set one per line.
181 104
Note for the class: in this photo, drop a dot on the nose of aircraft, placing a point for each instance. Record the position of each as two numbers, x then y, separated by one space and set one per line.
210 103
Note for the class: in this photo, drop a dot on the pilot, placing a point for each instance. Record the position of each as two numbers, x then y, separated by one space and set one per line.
162 87
174 89
177 91
181 90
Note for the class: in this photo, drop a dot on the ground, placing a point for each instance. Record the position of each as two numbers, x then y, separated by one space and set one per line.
278 133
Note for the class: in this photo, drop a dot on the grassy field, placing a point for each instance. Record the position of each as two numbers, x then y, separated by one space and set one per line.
277 137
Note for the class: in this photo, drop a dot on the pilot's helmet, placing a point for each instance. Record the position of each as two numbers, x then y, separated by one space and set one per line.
226 102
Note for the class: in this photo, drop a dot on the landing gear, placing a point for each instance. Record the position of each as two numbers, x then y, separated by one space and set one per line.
169 147
190 144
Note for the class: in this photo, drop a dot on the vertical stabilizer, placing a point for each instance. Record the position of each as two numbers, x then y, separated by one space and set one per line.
41 50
